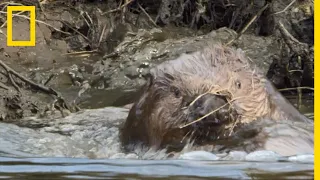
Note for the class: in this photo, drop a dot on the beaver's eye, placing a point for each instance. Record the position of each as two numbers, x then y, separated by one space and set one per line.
238 84
176 92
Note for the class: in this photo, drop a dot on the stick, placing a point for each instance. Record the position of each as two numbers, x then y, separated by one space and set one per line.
144 11
101 35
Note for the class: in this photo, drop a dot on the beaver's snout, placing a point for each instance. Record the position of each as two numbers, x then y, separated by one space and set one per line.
204 106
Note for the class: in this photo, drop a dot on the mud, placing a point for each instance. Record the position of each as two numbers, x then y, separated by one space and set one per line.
56 63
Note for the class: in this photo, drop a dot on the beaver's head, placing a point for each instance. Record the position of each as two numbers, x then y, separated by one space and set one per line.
171 104
216 83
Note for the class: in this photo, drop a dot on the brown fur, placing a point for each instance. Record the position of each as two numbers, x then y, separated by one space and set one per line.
155 119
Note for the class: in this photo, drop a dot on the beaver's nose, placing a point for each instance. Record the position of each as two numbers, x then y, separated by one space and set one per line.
205 106
209 103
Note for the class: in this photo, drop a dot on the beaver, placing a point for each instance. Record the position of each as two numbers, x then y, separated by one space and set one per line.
214 95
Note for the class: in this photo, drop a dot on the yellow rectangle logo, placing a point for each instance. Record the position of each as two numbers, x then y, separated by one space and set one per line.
32 10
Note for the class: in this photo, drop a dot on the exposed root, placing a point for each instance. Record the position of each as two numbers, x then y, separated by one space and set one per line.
301 50
286 8
145 12
248 24
294 45
59 101
37 86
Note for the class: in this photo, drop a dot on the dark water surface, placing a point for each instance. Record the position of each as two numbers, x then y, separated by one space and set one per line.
77 168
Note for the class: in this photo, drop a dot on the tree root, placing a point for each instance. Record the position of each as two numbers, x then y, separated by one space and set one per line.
299 48
305 56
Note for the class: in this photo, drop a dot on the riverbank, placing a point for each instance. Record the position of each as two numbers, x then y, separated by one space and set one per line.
89 48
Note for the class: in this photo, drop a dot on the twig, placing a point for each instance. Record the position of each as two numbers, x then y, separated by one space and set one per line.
36 86
299 98
233 126
285 9
248 24
81 13
119 8
26 17
150 19
4 86
42 9
13 82
203 95
291 71
296 88
110 55
199 119
309 115
197 98
49 79
85 37
81 52
5 22
101 35
10 3
91 21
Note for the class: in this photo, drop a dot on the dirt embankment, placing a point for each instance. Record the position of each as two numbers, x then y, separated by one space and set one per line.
85 47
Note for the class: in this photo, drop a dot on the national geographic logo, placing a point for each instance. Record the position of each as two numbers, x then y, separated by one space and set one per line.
32 10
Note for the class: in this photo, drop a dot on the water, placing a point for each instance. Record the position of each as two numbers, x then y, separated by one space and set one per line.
84 168
80 168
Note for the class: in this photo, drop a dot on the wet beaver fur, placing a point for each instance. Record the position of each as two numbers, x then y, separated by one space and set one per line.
216 78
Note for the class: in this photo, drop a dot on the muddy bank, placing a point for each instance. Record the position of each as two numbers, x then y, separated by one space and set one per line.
86 47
